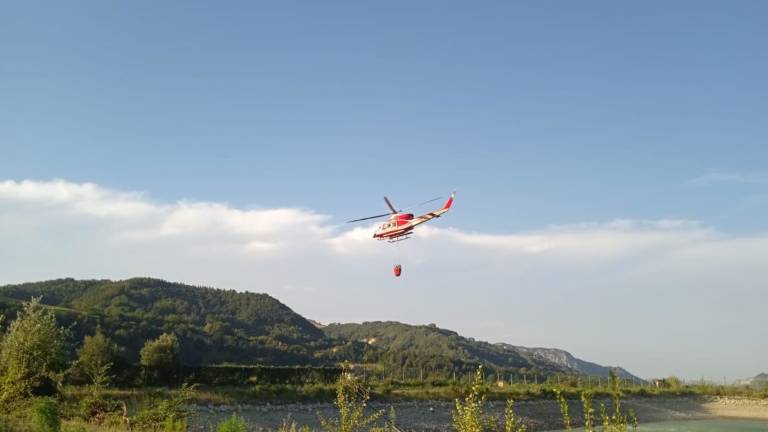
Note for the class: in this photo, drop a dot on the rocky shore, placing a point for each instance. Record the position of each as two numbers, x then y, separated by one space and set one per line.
539 415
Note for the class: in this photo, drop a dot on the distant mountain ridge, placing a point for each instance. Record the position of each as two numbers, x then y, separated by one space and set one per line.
759 380
218 326
429 345
564 358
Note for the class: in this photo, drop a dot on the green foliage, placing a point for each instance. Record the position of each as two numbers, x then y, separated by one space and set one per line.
174 425
428 349
589 412
511 423
468 414
45 415
96 357
632 419
166 414
616 421
161 353
227 326
97 409
33 353
233 424
351 401
288 425
563 409
6 424
672 383
159 359
392 419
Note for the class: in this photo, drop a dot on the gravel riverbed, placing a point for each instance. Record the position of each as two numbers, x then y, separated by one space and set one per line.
539 415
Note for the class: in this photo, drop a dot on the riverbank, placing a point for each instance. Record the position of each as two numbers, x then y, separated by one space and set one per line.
539 415
737 407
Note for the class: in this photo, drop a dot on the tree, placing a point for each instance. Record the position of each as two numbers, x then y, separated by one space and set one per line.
33 353
159 357
96 357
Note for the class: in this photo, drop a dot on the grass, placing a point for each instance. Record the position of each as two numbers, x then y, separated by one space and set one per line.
401 391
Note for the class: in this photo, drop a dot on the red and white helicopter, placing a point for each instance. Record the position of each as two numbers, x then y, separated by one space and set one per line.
400 225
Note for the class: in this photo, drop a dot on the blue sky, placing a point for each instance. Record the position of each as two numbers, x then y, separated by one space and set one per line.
539 114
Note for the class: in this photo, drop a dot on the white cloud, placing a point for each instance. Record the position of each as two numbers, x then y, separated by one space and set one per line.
262 231
82 198
611 239
138 219
578 286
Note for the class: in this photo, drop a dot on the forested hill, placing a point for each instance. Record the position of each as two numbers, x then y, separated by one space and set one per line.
431 347
214 325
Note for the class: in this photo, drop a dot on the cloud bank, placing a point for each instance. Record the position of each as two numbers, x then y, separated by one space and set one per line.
656 296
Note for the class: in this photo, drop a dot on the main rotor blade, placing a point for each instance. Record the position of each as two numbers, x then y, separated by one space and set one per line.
421 204
369 217
391 207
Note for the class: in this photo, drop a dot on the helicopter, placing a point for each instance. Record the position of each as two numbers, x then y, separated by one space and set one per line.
400 225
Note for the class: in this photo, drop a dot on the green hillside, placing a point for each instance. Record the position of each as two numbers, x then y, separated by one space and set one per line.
214 325
426 346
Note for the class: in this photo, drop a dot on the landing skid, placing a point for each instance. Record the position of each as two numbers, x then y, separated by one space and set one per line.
398 239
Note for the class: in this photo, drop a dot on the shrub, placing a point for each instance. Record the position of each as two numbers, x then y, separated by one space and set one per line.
563 409
175 425
168 414
96 357
233 424
159 357
511 423
33 352
6 424
289 425
589 412
96 409
351 400
468 413
45 415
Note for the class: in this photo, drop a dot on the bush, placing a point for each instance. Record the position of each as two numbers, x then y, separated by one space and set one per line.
33 351
289 425
351 400
169 414
159 358
6 424
96 357
45 415
233 424
468 415
175 425
97 409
